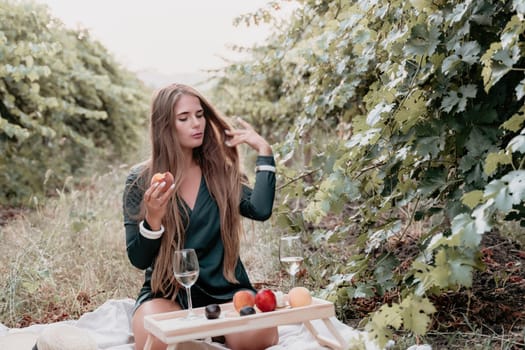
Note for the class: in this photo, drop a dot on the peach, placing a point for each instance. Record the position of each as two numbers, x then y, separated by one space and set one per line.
243 298
166 177
299 296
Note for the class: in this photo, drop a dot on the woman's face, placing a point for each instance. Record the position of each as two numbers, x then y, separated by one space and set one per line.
189 122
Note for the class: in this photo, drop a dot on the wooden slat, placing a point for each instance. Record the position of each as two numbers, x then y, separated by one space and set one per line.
322 340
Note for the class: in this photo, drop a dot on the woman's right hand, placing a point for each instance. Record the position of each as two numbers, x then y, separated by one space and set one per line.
156 200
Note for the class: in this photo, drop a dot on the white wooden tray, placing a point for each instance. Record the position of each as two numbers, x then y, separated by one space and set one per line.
172 327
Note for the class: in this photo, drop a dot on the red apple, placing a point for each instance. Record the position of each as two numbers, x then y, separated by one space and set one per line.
265 300
167 177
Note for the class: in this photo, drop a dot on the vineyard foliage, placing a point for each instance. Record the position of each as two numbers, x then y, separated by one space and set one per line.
401 122
63 100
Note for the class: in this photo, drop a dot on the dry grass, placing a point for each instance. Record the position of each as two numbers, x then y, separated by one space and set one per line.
475 340
68 256
260 253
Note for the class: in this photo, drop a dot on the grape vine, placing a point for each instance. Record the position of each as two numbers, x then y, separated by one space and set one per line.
396 116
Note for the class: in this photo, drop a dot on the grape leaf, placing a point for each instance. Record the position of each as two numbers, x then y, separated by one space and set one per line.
465 231
411 111
520 90
375 114
415 312
429 146
458 12
516 183
390 315
517 144
441 273
364 291
482 219
468 53
428 276
507 191
493 160
516 121
434 180
460 269
472 198
519 6
421 4
458 99
378 326
423 40
501 63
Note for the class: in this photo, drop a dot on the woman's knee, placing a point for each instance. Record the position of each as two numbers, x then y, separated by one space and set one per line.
150 307
253 340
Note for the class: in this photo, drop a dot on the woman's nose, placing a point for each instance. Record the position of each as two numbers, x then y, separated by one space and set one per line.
195 121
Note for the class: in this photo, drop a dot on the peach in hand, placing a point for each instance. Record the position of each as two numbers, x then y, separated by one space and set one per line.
167 177
243 298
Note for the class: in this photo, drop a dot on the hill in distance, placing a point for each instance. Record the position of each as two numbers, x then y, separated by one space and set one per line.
155 79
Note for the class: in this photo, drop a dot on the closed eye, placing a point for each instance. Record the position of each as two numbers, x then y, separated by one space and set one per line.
183 116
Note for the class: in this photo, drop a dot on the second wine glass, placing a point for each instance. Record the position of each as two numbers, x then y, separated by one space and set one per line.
291 255
186 271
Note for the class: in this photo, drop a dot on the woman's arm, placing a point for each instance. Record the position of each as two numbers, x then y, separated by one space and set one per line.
257 204
141 249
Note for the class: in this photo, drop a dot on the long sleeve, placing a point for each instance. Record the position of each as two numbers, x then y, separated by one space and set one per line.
257 203
141 250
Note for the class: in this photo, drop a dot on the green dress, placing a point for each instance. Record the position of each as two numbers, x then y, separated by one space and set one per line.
203 234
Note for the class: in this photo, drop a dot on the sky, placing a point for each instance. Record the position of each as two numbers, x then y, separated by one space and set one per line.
168 36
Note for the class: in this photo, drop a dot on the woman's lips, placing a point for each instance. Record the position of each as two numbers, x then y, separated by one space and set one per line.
197 135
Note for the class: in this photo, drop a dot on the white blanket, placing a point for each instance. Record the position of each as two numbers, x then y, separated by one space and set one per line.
109 325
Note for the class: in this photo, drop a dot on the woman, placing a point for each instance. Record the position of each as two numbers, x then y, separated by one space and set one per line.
201 210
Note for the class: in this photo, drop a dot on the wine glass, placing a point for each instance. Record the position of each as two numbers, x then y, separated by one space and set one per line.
186 271
291 255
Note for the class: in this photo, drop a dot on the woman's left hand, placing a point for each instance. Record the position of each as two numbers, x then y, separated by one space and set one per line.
248 136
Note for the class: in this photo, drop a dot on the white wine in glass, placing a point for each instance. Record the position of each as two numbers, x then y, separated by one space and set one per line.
186 271
291 255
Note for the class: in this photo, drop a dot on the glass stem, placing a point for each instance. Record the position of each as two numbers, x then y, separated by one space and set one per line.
190 306
293 280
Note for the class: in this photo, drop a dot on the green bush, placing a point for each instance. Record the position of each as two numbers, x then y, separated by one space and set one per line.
399 122
63 99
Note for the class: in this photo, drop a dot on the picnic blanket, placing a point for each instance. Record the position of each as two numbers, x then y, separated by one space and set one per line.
109 325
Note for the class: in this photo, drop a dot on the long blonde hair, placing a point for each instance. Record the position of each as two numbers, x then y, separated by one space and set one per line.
220 167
